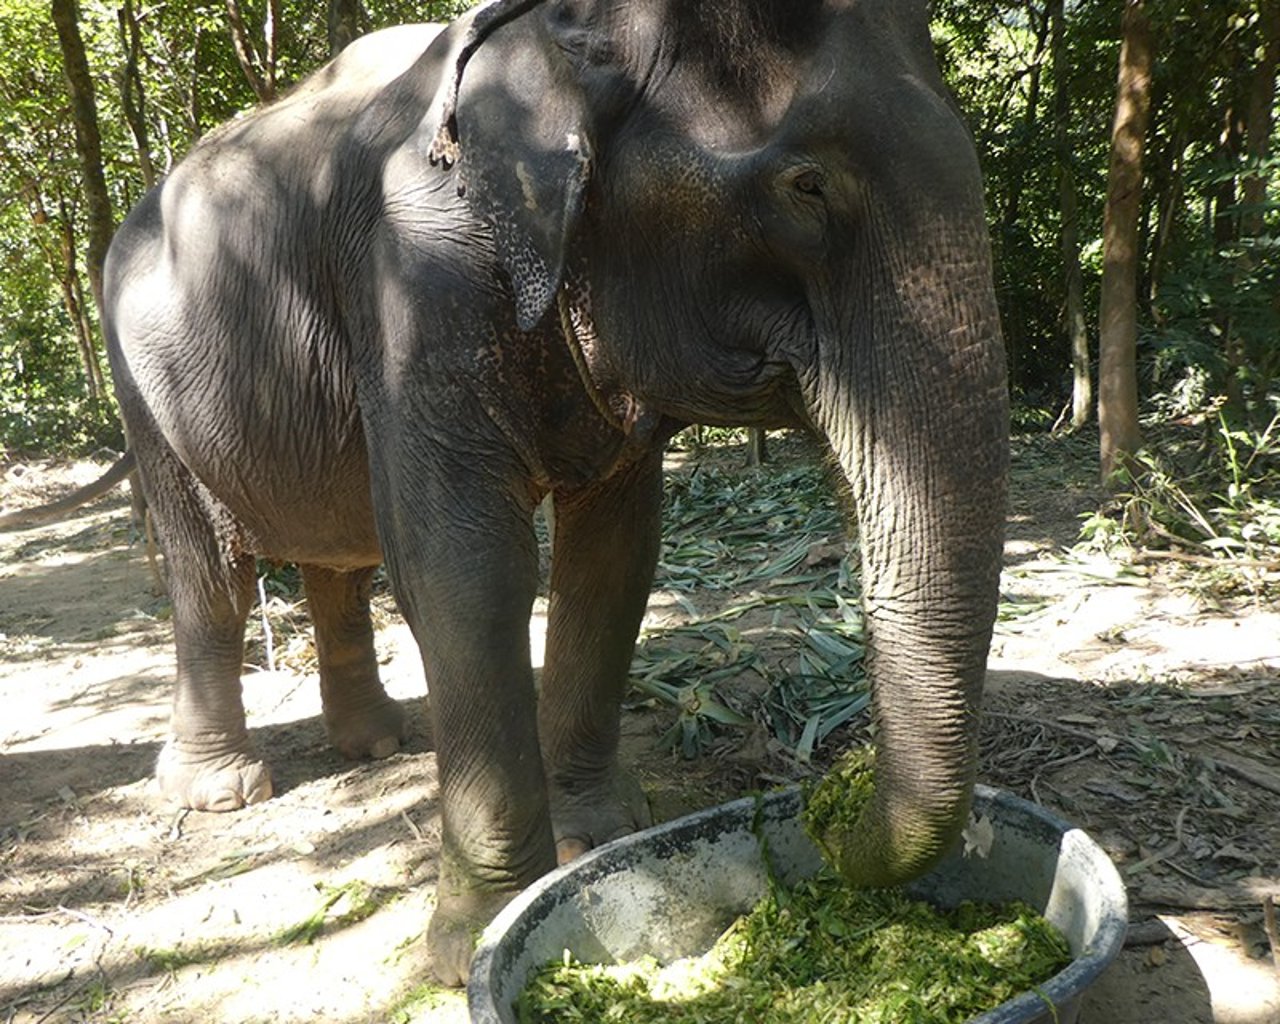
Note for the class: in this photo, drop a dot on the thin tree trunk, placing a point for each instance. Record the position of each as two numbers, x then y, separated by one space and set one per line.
1069 237
1259 119
99 220
1170 202
62 262
259 71
270 38
1118 316
194 109
1226 208
1013 201
73 301
1226 233
133 100
1014 313
1250 136
344 24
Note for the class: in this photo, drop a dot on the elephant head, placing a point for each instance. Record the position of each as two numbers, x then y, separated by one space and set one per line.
768 212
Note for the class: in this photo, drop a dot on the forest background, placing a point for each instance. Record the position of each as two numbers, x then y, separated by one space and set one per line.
1132 175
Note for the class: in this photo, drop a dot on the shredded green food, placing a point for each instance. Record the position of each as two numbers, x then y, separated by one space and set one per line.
820 952
833 808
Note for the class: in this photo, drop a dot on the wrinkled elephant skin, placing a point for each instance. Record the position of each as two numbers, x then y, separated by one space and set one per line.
457 271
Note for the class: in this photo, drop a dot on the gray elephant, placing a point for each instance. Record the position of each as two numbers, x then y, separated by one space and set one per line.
455 272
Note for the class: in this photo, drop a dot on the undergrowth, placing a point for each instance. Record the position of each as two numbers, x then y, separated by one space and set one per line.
1208 500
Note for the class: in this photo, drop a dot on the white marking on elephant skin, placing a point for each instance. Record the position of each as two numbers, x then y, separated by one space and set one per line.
580 149
526 186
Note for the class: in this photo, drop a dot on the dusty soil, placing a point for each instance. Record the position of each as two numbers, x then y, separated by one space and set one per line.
1139 700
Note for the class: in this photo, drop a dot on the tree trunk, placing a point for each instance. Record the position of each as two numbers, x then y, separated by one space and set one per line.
1011 237
1118 315
259 71
1069 237
1226 208
344 24
73 301
1226 233
1013 201
1169 201
100 221
1259 120
132 95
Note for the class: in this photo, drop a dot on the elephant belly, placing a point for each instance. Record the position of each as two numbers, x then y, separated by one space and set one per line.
294 494
320 521
237 396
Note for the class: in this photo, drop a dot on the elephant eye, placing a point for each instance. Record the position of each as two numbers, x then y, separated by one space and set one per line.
809 182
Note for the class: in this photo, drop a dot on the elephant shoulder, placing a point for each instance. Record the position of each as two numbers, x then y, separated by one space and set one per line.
367 66
317 113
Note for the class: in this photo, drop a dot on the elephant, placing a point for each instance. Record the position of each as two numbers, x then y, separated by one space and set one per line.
460 270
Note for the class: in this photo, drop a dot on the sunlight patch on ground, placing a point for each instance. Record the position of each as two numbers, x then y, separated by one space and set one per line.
1242 991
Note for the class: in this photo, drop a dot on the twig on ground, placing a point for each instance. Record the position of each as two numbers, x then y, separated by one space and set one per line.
413 827
1149 933
1153 555
175 826
81 916
267 637
1047 723
1246 768
1273 933
61 1003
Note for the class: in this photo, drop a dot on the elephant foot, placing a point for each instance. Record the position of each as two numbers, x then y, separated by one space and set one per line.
374 732
455 931
584 819
193 776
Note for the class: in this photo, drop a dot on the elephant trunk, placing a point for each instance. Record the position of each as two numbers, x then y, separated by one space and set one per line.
911 393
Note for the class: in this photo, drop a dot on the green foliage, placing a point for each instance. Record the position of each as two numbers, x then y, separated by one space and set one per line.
1213 326
1218 327
1211 322
339 906
191 82
819 951
834 806
1214 497
720 532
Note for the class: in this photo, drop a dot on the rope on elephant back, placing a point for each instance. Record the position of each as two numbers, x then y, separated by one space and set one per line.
487 18
571 337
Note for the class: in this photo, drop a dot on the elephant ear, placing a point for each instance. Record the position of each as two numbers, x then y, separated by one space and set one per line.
524 157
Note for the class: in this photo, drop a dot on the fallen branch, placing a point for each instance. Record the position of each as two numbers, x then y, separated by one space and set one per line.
1246 768
1148 933
1150 555
1246 893
1269 923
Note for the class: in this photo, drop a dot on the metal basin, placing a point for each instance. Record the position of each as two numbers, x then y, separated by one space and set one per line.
669 891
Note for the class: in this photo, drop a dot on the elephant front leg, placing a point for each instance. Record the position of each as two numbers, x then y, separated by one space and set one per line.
465 576
605 550
361 720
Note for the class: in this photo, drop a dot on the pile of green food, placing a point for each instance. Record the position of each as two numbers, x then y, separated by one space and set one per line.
834 806
821 951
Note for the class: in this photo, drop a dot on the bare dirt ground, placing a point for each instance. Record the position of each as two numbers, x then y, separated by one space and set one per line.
1141 701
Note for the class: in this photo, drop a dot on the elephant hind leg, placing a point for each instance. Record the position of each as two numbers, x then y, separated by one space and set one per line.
361 720
208 762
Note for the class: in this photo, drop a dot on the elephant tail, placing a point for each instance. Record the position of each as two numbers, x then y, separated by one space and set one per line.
27 517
